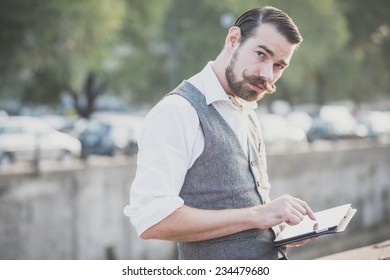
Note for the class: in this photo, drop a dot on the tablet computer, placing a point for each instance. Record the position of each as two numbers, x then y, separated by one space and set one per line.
328 221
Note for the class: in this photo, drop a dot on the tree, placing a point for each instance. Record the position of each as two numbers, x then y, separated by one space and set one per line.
140 56
142 49
59 45
369 24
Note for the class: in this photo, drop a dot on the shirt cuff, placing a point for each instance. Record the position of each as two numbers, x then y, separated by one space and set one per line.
152 213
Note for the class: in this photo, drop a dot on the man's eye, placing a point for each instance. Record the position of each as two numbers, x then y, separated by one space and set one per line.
279 66
260 54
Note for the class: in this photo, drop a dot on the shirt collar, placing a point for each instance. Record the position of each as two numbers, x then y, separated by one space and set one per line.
214 91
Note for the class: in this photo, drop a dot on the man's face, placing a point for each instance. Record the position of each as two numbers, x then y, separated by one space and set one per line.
258 63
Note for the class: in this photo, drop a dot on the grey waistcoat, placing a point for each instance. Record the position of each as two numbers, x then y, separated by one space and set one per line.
224 178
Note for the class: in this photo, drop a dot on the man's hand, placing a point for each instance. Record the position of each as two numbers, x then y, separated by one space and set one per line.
302 242
285 209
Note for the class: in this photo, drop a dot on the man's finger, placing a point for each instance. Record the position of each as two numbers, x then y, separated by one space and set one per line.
306 209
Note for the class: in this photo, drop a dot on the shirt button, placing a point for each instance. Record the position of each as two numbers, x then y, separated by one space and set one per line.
258 183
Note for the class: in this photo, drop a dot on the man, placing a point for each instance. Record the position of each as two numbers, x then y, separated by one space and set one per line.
201 175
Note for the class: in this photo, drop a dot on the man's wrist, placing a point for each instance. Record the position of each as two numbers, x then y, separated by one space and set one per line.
254 217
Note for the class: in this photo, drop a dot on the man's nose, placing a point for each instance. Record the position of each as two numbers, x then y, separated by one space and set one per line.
266 72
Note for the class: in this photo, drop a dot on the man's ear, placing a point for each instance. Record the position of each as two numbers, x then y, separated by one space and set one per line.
232 38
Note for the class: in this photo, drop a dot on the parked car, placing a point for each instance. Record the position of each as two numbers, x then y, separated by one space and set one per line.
60 122
335 122
30 139
321 130
3 115
377 122
125 129
278 131
108 134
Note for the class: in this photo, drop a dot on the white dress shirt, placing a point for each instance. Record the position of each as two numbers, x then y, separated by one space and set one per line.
170 142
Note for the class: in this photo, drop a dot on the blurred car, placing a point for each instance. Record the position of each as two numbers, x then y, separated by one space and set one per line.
59 122
108 134
125 129
320 130
300 119
279 132
377 122
30 139
335 122
3 115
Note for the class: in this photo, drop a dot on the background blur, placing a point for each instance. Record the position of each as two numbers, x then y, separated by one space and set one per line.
77 78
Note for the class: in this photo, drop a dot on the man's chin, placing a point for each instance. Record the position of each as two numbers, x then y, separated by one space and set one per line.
256 95
265 92
260 95
251 96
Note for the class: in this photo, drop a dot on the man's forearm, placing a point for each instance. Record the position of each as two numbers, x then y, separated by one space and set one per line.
188 224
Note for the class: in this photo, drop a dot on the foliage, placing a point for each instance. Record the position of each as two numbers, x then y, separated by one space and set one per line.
58 44
142 49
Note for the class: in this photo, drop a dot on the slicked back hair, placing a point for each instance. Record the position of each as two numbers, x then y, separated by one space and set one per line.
249 21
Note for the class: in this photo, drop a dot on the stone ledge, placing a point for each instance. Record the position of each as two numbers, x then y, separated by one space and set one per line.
379 251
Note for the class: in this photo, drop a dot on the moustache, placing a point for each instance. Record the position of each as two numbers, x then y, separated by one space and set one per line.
257 80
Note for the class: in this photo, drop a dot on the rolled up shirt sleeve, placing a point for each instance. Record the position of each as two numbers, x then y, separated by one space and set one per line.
166 152
144 216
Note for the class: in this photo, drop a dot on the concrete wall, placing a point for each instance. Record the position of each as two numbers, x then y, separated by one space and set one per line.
71 214
77 213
